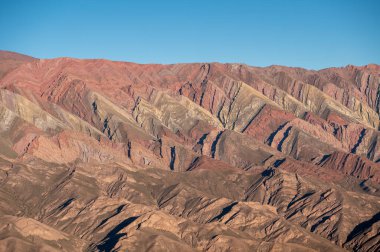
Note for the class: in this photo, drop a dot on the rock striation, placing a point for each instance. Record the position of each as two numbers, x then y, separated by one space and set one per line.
97 155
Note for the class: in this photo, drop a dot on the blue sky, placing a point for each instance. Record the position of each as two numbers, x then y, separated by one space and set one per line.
305 33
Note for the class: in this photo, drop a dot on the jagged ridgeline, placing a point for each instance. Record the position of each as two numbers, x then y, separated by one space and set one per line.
97 155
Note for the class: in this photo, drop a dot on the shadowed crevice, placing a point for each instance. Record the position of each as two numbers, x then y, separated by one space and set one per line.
172 157
111 239
117 211
286 134
213 146
252 119
66 204
360 228
271 137
361 136
225 211
267 173
279 162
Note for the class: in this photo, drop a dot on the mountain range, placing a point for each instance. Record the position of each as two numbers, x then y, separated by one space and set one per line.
99 155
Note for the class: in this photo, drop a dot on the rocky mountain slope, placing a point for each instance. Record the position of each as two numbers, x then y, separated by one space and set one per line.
97 155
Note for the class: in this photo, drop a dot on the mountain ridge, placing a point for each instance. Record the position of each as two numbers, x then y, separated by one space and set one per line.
102 155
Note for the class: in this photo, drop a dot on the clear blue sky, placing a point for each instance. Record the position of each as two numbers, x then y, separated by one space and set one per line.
312 34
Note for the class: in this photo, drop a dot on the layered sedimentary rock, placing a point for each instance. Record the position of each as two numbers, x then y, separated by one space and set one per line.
98 155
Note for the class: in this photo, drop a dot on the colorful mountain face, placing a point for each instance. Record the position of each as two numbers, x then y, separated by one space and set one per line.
97 155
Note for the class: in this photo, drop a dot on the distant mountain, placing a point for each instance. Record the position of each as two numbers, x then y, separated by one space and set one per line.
11 60
97 155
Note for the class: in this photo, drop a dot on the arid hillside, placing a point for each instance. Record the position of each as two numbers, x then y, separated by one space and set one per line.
98 155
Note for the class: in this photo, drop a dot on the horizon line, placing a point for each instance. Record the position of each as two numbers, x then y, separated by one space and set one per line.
188 62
